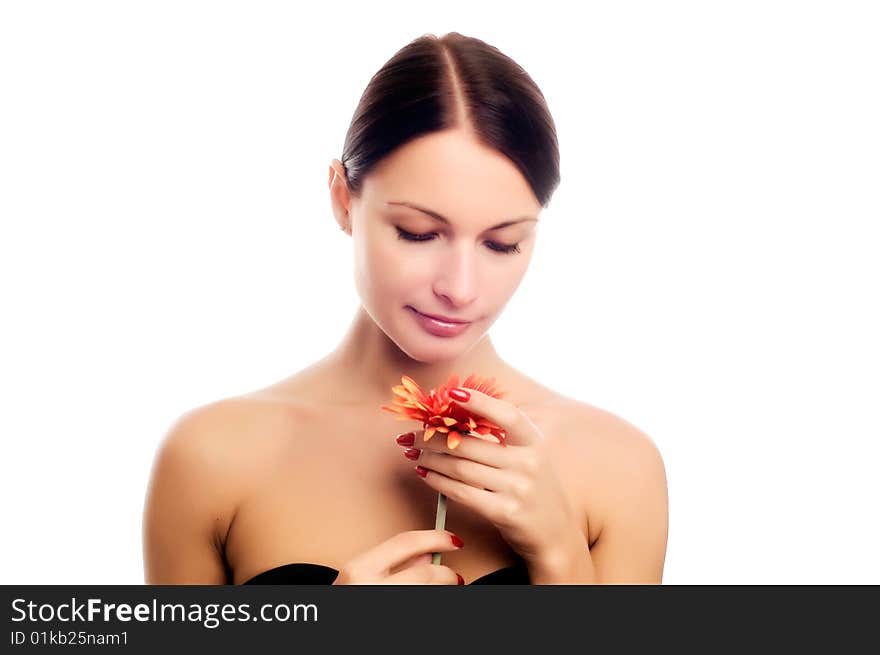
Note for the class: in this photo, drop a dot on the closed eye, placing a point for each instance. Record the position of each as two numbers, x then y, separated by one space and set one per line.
502 248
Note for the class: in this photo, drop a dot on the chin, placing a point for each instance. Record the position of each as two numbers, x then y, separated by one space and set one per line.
427 349
430 354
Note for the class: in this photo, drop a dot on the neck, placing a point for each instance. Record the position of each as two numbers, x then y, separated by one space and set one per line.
371 363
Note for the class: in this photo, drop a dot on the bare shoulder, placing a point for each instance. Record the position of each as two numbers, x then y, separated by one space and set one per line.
582 426
216 450
587 426
192 467
625 483
607 433
243 429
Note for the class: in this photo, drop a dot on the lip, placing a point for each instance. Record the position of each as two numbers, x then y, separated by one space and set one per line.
437 327
440 317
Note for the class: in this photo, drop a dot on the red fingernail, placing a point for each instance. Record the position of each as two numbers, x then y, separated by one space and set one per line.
421 471
460 579
456 540
412 453
407 439
460 394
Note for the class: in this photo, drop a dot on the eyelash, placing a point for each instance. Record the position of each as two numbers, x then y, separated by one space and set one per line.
500 248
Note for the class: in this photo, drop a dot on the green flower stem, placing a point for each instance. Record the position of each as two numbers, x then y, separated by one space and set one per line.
439 523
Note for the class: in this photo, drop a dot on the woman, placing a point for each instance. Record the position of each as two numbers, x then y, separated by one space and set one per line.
450 157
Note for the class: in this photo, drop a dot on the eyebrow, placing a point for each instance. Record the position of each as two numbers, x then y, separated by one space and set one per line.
443 219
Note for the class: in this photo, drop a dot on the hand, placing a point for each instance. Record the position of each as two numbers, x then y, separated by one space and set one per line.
405 558
514 486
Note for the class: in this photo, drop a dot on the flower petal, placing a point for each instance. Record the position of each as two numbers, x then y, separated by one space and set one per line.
439 413
415 389
453 439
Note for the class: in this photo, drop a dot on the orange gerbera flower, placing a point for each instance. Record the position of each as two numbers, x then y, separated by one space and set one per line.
438 412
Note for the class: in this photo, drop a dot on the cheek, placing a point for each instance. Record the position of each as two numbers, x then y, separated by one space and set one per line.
502 287
401 264
382 268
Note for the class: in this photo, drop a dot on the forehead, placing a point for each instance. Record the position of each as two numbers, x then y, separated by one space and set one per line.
454 175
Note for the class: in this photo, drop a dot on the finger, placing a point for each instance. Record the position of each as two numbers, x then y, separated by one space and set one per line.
392 552
434 574
486 503
519 428
424 558
466 471
472 448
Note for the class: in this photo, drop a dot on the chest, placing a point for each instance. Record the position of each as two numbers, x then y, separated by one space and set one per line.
330 489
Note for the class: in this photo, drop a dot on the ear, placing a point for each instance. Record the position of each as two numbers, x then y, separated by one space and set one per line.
340 199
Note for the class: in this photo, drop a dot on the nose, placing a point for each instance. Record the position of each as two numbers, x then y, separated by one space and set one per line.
456 281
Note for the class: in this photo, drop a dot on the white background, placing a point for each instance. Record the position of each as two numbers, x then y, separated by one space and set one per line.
707 269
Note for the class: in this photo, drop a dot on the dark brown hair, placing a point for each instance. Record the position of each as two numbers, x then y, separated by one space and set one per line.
454 81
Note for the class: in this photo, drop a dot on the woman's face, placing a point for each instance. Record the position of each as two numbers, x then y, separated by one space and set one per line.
465 268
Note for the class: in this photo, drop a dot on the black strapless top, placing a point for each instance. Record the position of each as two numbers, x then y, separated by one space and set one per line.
307 573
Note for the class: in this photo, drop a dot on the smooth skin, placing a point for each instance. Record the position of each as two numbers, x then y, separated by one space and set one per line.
308 470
